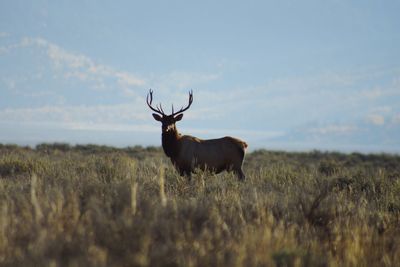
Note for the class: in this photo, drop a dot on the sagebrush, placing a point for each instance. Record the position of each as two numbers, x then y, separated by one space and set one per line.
63 205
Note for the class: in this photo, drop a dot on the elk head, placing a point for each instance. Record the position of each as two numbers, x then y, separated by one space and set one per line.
168 121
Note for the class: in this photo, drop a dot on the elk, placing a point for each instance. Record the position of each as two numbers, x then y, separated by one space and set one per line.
188 153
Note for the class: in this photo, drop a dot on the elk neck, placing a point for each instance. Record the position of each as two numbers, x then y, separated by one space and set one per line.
170 143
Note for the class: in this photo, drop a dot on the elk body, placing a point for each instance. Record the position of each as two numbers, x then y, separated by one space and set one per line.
188 152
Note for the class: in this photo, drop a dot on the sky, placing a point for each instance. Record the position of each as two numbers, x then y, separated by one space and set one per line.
281 75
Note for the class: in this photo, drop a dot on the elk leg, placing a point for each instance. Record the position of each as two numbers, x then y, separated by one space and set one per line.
189 176
240 174
185 172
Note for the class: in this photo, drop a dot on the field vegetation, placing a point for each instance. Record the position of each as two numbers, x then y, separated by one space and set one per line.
87 205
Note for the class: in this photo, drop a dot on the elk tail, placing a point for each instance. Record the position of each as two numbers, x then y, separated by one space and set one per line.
242 148
241 145
244 144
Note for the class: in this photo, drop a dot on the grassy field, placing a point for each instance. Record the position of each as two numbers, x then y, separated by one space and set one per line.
64 205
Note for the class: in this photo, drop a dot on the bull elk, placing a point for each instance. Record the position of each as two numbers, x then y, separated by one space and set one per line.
188 152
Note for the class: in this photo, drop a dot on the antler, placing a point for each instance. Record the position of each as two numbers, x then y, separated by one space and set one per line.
159 110
184 109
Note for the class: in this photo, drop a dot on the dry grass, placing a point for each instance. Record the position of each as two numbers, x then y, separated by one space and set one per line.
100 206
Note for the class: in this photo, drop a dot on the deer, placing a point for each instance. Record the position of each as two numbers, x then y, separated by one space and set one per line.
188 153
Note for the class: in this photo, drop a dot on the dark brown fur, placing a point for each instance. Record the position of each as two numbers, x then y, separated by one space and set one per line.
188 153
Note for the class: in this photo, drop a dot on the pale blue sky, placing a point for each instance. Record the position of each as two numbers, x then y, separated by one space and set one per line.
293 75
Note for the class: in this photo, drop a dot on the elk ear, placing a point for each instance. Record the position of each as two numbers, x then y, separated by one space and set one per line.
157 117
179 117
